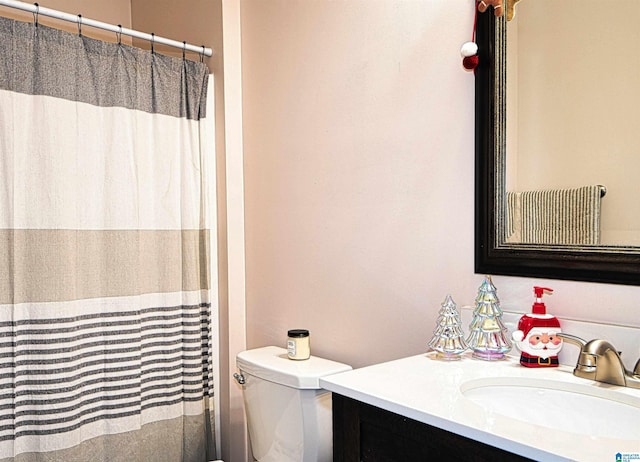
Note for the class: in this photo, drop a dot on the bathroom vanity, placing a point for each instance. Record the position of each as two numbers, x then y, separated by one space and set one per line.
368 433
420 408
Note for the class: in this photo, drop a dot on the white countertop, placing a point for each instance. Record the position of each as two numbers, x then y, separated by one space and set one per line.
429 391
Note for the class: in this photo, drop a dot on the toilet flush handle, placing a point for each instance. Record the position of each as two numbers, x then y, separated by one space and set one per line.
239 378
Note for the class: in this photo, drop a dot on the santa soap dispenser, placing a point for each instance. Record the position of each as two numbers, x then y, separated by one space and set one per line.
537 335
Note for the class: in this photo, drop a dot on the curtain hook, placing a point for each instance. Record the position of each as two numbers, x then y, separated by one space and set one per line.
153 40
35 14
184 50
202 55
80 25
119 35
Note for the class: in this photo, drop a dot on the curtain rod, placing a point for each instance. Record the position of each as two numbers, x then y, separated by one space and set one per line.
82 21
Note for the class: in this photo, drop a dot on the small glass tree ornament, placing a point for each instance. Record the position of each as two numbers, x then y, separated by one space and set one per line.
448 337
488 337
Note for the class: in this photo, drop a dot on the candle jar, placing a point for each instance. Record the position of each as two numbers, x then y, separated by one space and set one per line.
298 344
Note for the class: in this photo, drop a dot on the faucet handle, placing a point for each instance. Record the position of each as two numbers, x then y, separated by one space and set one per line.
586 363
577 341
586 360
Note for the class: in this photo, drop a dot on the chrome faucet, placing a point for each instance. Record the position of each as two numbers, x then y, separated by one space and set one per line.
599 361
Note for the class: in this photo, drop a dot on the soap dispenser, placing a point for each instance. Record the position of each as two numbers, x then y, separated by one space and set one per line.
537 334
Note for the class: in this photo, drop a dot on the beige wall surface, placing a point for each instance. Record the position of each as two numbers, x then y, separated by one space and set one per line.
577 97
195 21
111 12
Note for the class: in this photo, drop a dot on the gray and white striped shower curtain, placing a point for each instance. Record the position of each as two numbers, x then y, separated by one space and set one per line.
107 294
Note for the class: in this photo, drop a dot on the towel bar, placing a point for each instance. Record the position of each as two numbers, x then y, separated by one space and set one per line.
603 190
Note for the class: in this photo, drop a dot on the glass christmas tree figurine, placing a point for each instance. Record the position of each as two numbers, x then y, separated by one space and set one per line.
488 337
448 337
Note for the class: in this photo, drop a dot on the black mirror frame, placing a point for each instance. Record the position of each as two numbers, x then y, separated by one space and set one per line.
606 264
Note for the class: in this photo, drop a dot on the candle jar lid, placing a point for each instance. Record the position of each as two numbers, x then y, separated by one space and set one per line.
298 333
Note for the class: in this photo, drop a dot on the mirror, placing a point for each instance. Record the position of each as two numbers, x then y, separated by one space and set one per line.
611 259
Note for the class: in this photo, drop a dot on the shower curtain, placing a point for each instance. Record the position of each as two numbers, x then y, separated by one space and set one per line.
106 291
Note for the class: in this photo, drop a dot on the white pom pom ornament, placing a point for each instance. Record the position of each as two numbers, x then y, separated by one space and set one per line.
469 52
469 49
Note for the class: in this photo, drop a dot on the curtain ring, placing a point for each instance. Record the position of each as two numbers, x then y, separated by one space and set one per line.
80 25
202 54
35 14
119 35
184 50
153 39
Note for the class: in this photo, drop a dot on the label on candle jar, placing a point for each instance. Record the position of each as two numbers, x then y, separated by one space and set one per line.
298 344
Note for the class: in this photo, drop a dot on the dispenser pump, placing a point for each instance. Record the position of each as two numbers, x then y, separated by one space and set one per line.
539 306
537 335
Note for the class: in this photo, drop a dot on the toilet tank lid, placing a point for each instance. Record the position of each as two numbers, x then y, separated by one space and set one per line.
272 363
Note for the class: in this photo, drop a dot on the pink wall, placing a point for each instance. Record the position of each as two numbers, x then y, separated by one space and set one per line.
358 145
358 129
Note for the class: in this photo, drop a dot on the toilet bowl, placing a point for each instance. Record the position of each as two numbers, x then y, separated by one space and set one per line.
288 413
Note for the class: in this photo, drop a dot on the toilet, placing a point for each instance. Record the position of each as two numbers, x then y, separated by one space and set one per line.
288 414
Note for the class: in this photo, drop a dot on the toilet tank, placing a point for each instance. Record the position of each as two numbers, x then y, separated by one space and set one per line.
288 414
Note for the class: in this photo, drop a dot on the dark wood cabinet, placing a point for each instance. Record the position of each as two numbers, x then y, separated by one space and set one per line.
362 432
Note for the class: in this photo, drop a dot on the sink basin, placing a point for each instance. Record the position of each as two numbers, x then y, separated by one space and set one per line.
582 409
